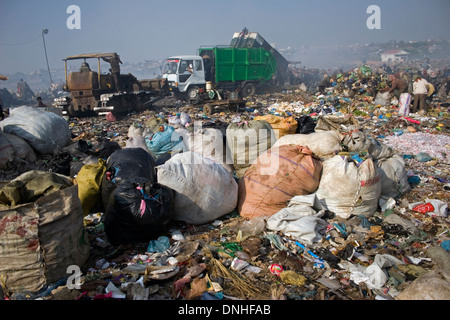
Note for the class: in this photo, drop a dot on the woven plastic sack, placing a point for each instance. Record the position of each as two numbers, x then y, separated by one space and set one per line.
153 123
278 175
41 238
393 176
209 143
163 141
89 180
204 190
246 141
44 131
347 189
22 149
323 144
358 141
403 104
281 125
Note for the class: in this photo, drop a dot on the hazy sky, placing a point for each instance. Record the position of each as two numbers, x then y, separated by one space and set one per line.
153 29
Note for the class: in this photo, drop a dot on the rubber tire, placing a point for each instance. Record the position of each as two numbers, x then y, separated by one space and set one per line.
249 89
192 95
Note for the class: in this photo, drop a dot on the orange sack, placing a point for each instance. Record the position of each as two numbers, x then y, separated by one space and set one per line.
275 177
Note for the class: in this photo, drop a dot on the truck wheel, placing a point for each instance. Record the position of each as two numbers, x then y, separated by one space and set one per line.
193 95
249 89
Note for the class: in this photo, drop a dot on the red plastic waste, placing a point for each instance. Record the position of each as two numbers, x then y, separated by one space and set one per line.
276 269
424 208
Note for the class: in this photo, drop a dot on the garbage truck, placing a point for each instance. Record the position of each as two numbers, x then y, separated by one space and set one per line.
219 72
93 92
246 39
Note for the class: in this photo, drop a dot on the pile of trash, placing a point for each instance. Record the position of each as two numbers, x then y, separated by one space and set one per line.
297 197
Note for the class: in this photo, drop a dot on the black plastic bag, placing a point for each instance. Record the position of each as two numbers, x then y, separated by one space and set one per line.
137 211
126 164
305 125
104 148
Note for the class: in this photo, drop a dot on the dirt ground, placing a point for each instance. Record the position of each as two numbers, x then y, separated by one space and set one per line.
231 258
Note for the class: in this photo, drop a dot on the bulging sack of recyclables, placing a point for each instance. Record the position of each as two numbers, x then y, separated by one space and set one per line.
278 175
403 104
208 142
42 235
246 141
393 176
166 139
138 211
44 131
347 189
204 190
281 125
357 141
126 164
323 144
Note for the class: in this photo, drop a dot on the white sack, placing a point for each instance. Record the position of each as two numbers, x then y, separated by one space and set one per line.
323 144
6 150
382 98
22 149
300 219
403 104
44 131
136 141
346 189
209 143
137 130
204 190
393 176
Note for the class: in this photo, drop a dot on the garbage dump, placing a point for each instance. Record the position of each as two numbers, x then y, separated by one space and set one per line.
303 195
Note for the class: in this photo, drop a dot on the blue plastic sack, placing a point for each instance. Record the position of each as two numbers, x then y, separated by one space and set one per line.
446 245
166 140
423 157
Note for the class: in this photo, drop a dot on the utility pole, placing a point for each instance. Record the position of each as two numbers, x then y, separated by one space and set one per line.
45 31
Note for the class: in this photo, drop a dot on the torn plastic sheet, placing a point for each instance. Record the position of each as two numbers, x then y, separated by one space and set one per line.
373 276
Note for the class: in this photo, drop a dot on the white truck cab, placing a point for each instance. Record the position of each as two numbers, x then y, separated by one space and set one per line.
185 74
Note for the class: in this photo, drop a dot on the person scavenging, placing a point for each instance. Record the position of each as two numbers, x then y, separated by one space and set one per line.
420 91
39 102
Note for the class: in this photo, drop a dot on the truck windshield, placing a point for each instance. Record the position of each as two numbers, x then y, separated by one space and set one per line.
170 66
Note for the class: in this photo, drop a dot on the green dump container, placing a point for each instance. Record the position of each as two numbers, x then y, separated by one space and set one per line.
241 64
